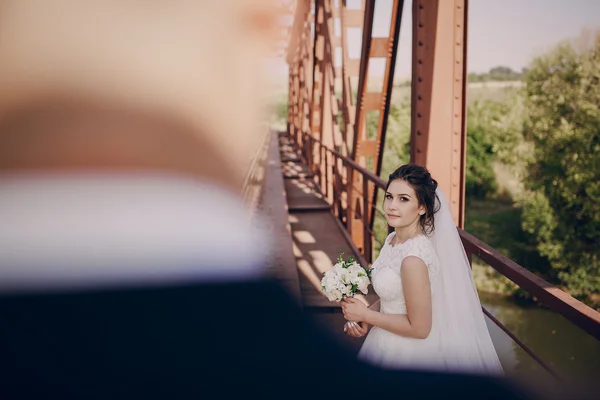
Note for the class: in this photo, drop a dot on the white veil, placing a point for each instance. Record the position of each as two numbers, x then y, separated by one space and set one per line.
466 342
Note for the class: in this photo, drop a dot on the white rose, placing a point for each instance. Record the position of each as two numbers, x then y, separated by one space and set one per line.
337 294
346 289
355 268
357 274
330 297
363 285
324 285
357 271
331 278
346 277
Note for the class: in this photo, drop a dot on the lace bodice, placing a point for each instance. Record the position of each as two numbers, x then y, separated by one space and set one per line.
386 278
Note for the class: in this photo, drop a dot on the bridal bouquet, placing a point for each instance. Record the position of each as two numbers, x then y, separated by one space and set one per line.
345 279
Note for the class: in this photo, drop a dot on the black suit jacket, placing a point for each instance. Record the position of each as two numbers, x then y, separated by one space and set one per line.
218 340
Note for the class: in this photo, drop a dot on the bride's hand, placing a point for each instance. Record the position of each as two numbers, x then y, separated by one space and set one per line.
356 329
354 310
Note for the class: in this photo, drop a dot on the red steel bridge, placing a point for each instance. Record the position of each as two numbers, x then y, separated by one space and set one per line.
319 181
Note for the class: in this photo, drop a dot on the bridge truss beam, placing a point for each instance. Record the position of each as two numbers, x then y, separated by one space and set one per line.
325 105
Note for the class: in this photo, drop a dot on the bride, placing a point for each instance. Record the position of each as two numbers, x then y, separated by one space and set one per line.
430 315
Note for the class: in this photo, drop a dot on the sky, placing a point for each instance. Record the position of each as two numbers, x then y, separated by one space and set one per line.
501 32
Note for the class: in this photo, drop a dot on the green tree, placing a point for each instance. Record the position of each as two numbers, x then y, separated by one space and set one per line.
503 74
562 210
479 175
397 140
500 73
495 135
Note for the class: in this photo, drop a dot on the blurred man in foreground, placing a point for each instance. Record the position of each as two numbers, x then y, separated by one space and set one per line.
127 265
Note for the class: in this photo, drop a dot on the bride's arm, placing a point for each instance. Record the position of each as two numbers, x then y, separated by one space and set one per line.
417 293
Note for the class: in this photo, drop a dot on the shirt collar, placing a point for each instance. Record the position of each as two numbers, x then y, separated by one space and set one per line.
74 231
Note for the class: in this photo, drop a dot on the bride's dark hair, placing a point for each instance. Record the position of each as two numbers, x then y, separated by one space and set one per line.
424 186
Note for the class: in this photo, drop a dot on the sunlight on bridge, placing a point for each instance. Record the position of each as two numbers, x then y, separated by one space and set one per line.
321 260
304 187
308 271
304 237
296 250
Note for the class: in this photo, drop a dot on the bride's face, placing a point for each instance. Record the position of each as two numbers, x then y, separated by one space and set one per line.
401 206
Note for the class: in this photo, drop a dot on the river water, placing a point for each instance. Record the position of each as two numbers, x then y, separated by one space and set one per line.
570 351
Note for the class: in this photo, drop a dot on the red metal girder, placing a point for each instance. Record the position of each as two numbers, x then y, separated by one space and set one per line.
438 135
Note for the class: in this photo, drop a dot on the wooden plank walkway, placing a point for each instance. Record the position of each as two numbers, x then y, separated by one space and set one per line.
317 241
303 195
317 244
274 213
295 170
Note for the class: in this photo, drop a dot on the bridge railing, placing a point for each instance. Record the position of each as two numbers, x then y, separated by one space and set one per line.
253 182
338 175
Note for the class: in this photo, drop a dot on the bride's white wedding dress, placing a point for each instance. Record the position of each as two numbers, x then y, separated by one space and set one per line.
459 340
385 348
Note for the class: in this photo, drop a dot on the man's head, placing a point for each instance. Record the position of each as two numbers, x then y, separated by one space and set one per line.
181 75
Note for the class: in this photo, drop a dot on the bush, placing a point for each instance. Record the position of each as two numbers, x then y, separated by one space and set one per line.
562 212
479 175
495 136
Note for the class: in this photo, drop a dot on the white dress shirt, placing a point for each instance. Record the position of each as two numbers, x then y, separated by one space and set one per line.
75 231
